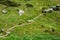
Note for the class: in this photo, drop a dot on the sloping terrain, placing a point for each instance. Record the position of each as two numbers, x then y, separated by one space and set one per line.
44 27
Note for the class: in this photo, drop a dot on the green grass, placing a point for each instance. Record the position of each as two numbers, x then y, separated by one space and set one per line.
33 31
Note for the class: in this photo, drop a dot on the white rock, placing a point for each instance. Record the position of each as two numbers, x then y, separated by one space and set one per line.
21 12
50 9
47 10
4 11
8 32
30 20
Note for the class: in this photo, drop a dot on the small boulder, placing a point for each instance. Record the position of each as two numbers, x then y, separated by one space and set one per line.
4 11
47 10
55 8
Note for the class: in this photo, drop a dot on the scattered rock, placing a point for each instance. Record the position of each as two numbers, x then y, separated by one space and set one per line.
55 8
7 32
29 21
4 11
47 10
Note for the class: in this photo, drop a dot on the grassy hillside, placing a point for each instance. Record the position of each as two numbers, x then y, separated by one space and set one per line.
41 29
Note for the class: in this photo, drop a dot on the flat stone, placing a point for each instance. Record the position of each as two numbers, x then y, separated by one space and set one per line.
30 21
47 10
4 11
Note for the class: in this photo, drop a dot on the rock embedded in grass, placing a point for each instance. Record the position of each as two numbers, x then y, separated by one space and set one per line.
47 10
4 11
56 8
29 21
7 32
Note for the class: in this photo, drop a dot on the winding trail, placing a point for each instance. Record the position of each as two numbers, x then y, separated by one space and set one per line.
9 30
